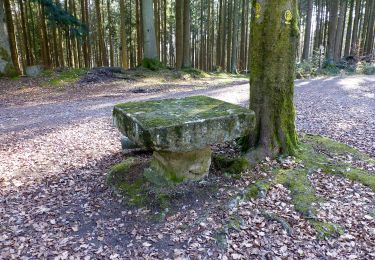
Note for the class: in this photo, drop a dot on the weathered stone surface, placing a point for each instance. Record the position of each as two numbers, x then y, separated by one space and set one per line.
182 125
127 144
33 71
179 166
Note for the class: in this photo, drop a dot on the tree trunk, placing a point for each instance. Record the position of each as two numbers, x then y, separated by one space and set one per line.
179 33
44 41
349 30
6 64
229 35
25 33
332 28
124 50
220 33
165 37
370 32
11 35
354 46
186 59
340 31
306 43
110 34
102 61
236 19
149 41
245 12
274 40
139 31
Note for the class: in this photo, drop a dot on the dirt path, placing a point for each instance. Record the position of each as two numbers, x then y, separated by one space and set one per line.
54 157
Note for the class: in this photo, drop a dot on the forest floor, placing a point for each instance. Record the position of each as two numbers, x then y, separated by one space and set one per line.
57 144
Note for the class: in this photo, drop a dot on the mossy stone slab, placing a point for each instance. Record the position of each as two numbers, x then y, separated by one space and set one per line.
180 125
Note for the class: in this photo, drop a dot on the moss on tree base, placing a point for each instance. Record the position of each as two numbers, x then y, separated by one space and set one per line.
152 64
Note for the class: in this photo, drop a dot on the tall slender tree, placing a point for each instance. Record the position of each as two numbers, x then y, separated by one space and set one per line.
11 35
236 16
124 48
306 42
186 59
6 64
149 35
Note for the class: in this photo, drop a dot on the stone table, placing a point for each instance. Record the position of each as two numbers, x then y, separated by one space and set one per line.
180 131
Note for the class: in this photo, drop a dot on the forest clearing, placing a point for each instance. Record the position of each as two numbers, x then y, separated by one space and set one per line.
55 158
186 129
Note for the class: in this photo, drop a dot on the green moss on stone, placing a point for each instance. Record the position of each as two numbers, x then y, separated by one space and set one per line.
5 55
133 180
10 71
171 112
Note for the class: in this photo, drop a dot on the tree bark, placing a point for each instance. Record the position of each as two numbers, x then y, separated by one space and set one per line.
306 43
229 35
274 39
332 28
124 49
340 31
186 59
149 41
236 14
11 35
110 34
354 45
179 33
370 32
6 64
349 30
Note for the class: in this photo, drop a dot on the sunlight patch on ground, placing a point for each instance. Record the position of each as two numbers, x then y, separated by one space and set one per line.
302 83
353 83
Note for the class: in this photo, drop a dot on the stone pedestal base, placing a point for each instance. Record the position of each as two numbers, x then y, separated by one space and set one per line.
126 144
180 166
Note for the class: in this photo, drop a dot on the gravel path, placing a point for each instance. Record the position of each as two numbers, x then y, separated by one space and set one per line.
54 200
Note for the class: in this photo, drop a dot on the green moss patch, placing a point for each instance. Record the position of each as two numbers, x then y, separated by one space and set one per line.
65 77
232 166
127 180
320 153
152 64
171 112
326 230
195 73
142 187
258 189
317 152
303 194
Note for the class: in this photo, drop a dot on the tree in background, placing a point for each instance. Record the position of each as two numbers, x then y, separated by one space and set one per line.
186 57
205 34
149 35
124 51
7 67
274 40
